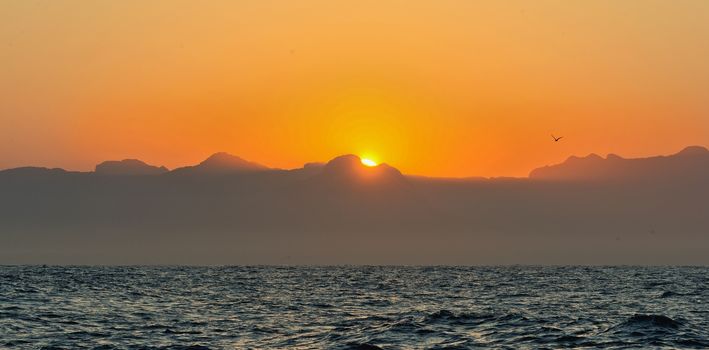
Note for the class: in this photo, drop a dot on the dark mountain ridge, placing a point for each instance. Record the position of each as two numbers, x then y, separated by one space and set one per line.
692 162
222 163
230 211
128 167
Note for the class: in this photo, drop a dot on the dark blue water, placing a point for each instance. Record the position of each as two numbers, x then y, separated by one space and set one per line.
353 307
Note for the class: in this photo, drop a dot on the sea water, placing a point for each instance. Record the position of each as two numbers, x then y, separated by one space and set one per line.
262 307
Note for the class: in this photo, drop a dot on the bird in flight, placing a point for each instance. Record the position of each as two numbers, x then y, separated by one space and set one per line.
556 139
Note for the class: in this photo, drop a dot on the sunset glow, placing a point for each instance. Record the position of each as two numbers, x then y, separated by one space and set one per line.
354 174
368 162
454 88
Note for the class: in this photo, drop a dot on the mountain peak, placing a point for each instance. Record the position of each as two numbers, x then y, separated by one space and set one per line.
223 158
349 161
694 151
350 166
590 157
613 156
692 160
128 167
224 163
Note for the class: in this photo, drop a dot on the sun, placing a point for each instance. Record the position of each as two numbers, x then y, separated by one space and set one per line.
368 162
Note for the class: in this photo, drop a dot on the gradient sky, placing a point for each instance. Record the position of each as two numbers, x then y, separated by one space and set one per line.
441 88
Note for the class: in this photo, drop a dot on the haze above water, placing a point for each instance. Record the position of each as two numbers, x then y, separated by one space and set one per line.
226 210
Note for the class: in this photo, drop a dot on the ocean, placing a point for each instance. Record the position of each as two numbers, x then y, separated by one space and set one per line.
353 307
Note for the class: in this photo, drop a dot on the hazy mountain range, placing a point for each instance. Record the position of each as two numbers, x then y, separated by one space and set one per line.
227 210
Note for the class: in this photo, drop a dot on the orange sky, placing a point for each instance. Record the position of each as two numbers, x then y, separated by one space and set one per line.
441 88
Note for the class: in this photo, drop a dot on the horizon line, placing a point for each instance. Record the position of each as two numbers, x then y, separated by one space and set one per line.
269 168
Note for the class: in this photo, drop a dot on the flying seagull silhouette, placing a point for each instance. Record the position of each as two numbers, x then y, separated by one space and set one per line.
556 139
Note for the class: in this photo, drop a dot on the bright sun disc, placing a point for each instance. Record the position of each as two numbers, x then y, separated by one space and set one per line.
368 162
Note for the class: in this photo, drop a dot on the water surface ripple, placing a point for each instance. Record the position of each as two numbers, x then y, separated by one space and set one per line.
143 307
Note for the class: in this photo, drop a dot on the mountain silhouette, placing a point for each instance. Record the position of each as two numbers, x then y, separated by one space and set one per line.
589 210
220 164
691 162
128 167
349 168
692 151
32 171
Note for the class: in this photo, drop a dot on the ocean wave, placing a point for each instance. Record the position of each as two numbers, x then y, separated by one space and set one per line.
461 318
426 308
363 346
650 321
